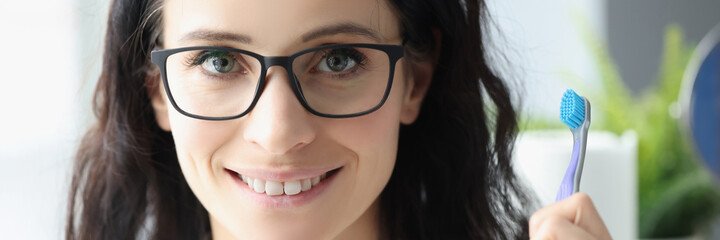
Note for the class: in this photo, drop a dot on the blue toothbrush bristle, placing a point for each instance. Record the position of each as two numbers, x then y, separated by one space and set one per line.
572 109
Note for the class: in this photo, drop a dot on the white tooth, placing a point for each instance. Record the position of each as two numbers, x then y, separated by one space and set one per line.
250 182
315 180
322 177
306 184
292 187
244 178
273 188
259 186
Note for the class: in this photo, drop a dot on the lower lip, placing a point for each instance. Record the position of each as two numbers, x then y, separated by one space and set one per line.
282 201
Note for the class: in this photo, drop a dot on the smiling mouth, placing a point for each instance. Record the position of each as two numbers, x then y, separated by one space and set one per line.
288 188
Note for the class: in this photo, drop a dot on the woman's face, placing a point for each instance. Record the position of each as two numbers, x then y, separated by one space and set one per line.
279 141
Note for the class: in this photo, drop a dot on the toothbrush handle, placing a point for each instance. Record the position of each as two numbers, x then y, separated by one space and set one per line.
567 187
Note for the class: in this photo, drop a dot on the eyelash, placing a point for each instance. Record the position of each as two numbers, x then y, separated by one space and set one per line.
359 58
198 59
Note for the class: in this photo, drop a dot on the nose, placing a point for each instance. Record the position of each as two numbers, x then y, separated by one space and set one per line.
278 123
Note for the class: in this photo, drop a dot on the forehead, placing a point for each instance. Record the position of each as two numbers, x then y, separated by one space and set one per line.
276 24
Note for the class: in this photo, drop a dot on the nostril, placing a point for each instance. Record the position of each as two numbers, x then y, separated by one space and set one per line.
297 146
273 132
278 144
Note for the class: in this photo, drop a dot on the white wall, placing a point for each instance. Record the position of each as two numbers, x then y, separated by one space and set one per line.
46 71
542 41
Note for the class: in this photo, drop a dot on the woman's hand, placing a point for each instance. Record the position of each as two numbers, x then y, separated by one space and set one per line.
572 218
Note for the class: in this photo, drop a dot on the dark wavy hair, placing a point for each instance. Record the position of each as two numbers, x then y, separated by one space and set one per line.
452 180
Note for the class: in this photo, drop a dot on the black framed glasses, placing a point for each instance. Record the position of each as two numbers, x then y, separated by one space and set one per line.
334 81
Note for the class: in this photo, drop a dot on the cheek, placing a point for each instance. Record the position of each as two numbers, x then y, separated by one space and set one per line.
376 146
200 138
377 130
196 141
373 138
368 133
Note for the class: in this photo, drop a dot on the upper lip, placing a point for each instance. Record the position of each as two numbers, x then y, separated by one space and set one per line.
282 175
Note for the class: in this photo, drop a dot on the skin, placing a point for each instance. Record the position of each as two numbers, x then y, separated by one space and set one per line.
279 134
572 218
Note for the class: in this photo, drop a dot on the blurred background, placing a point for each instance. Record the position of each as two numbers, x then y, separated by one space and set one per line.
648 178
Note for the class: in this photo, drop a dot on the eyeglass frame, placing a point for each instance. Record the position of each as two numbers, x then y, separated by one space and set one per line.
394 53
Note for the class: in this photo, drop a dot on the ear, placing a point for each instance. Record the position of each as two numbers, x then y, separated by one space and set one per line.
418 81
417 84
156 92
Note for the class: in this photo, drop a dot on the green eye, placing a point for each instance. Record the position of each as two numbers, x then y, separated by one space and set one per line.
338 60
217 62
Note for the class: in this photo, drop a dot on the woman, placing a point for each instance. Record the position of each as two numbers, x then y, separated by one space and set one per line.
373 127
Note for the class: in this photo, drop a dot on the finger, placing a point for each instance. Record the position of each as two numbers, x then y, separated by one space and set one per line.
577 209
558 228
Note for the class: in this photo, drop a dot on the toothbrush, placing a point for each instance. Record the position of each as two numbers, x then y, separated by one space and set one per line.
575 113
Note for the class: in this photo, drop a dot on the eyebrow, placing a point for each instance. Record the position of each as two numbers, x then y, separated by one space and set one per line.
215 36
342 28
347 28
